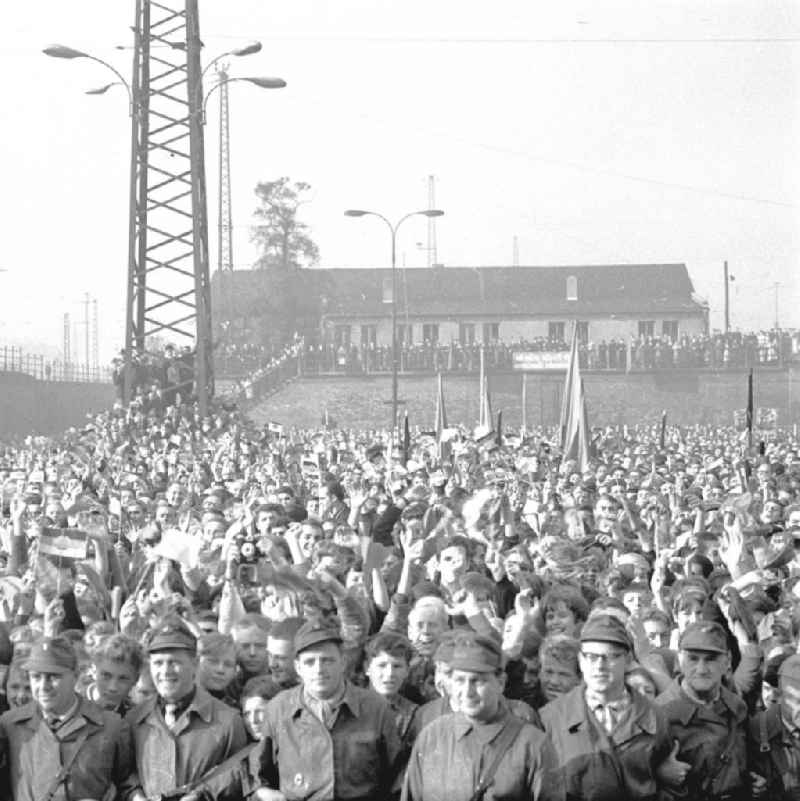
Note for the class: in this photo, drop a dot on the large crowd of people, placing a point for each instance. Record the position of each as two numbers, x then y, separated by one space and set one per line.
717 351
196 608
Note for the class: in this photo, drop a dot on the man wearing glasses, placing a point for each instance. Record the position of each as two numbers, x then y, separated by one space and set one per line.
610 742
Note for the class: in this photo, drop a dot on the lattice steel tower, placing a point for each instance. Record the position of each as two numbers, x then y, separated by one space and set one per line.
169 293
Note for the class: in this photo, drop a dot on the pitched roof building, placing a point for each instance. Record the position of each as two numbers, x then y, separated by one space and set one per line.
506 303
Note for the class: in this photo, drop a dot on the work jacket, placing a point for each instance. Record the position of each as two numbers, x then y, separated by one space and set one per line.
452 754
207 733
774 754
32 754
356 759
712 740
596 766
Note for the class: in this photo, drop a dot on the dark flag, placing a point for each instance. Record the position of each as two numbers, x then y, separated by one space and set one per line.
749 411
499 432
663 435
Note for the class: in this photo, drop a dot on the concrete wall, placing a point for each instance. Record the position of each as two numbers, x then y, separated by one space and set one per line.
688 396
28 406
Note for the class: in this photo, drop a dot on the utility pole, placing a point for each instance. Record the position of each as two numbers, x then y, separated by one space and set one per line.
169 292
225 219
87 334
95 335
432 253
727 298
67 345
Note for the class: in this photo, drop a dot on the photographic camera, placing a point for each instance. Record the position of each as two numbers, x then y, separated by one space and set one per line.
248 549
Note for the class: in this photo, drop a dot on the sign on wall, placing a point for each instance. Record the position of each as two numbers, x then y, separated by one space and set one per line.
540 359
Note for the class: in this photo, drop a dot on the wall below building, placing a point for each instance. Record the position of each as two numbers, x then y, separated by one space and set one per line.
29 406
689 397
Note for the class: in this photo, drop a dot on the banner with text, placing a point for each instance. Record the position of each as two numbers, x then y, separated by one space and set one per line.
540 359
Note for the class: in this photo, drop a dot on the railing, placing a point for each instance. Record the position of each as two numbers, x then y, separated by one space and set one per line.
14 360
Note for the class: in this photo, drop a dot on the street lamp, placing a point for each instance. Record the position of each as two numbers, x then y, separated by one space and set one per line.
260 82
393 230
62 51
246 50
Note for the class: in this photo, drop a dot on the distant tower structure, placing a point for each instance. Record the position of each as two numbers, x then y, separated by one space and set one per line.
95 335
225 256
169 292
67 346
515 251
432 255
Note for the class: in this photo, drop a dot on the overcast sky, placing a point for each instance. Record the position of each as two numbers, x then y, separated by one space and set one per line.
596 132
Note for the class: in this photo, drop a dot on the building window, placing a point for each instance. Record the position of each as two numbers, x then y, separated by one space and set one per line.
430 333
369 336
555 332
572 287
647 328
582 329
491 332
669 329
466 333
341 336
405 334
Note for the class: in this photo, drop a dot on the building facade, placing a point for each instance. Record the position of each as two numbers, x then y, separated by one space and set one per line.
510 304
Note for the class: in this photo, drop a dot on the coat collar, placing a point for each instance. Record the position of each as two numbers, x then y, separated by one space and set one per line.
686 708
486 732
643 716
31 716
350 700
202 705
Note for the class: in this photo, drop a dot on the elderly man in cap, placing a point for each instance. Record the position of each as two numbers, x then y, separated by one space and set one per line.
611 743
483 747
708 721
61 746
182 732
774 741
326 738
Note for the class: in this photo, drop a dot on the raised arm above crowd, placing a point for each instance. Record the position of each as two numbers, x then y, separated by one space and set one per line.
197 608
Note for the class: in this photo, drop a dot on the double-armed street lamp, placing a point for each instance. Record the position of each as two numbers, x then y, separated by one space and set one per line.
393 231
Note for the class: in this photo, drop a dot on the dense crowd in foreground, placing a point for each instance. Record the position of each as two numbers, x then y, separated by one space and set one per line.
198 609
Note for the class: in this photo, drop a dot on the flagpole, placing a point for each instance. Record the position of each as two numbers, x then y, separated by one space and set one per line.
749 412
481 410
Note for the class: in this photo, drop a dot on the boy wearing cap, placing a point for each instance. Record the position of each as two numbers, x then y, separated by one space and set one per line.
182 732
61 745
326 738
483 744
610 743
708 721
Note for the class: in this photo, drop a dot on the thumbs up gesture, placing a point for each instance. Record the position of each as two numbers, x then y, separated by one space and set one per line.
672 771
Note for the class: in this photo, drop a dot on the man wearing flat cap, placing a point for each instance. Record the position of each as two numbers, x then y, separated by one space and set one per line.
326 738
708 721
61 746
483 747
182 732
774 739
611 743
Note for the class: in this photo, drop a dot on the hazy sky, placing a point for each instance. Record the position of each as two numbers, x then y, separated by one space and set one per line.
596 132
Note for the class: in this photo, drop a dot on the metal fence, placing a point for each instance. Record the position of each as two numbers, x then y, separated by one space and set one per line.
15 360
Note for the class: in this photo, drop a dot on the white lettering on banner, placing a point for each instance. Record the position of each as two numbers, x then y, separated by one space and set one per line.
540 359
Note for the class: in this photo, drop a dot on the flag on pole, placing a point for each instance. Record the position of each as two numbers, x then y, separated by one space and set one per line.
486 404
481 377
749 411
524 432
499 432
441 413
565 395
575 441
63 542
663 433
406 439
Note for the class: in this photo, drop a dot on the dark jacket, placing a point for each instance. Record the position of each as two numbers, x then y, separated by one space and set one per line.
595 766
354 760
712 740
32 754
774 754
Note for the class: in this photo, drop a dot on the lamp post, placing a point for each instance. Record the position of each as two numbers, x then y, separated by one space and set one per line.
393 231
62 51
260 82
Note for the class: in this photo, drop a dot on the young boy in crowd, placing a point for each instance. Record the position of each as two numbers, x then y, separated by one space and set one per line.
216 666
116 665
